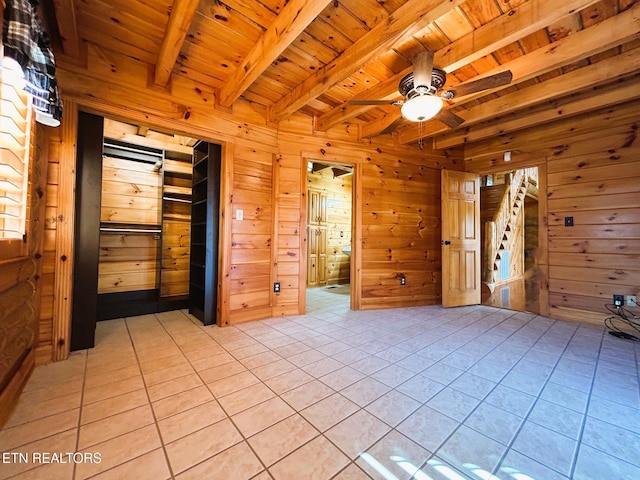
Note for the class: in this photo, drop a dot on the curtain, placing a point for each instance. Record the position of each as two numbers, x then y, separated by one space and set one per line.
26 42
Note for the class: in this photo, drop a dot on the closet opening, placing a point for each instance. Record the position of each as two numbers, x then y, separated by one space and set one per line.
147 206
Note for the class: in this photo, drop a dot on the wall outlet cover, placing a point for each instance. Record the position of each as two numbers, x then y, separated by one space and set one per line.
568 221
631 301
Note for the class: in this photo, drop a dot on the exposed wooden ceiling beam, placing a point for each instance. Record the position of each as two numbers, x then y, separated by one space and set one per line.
318 167
179 20
68 28
519 22
339 172
385 90
619 93
412 17
288 25
607 34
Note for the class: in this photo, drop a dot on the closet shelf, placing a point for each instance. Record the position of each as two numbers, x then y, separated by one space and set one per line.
175 190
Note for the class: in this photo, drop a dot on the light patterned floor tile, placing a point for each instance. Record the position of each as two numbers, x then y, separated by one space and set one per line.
282 409
150 466
357 433
201 445
181 401
119 450
306 394
329 411
231 384
318 459
14 437
288 381
261 416
245 398
237 463
112 406
189 421
281 439
114 426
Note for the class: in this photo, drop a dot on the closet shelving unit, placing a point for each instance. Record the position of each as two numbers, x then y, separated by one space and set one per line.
205 207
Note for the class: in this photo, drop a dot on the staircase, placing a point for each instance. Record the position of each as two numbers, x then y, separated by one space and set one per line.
501 228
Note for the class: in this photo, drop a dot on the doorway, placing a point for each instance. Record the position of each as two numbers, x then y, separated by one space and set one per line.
147 206
329 233
509 214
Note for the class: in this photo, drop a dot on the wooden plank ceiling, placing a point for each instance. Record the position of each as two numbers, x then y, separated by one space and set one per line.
313 56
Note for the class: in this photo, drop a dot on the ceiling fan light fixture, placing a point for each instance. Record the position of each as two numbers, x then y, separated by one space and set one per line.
421 108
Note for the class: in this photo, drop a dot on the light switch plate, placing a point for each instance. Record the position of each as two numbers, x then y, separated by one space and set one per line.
239 214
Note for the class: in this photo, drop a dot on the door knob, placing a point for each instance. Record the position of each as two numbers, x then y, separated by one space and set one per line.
445 242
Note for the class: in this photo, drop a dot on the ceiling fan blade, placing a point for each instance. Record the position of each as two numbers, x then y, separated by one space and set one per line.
492 81
422 69
450 119
375 102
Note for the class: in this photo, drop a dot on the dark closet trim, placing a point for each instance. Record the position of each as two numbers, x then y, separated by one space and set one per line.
87 230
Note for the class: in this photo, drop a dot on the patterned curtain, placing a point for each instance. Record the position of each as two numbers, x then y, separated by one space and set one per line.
27 43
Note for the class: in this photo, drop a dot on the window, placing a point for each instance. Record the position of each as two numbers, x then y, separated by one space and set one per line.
15 129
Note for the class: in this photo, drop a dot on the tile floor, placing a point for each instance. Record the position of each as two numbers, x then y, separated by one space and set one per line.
425 393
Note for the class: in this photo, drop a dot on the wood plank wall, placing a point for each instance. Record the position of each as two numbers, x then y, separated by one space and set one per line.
176 241
269 243
593 175
289 249
53 142
131 192
599 186
250 291
401 232
131 195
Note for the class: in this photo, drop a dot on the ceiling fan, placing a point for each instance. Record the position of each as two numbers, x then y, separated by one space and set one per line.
421 88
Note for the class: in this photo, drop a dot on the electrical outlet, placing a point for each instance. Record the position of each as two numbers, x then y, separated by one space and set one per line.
568 221
631 301
618 300
276 287
403 280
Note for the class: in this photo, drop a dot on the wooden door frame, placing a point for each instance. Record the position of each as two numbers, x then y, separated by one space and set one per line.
355 261
543 231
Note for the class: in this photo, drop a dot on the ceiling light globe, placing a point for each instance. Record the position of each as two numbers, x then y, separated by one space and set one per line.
421 108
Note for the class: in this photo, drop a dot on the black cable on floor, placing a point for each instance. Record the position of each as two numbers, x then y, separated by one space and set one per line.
622 317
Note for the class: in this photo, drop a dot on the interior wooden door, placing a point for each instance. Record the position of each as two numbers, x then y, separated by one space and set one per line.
460 238
312 260
317 248
322 254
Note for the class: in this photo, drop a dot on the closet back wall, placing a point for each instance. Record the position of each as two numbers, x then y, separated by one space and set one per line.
131 195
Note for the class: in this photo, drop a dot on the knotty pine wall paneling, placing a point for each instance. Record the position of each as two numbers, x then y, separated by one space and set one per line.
253 151
289 230
401 229
600 254
251 235
52 143
131 195
589 169
176 226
